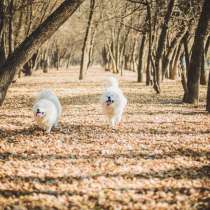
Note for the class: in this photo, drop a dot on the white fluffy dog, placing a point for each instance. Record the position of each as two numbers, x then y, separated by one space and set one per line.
47 110
113 101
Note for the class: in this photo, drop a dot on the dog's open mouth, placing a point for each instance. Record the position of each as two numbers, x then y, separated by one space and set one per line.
40 114
109 102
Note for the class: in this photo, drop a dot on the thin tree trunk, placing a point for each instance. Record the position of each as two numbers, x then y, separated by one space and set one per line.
114 65
174 70
203 79
172 60
133 56
186 50
10 28
161 43
184 79
86 43
207 45
170 51
141 53
208 96
2 50
193 82
91 51
33 42
148 71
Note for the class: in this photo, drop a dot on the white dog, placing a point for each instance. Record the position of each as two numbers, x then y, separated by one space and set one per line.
113 101
47 110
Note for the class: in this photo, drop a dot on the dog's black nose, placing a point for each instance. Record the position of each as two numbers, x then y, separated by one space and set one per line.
109 98
38 110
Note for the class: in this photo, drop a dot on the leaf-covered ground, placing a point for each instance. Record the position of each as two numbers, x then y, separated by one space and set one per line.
159 158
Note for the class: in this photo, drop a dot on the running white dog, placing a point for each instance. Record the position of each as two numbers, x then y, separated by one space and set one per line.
113 101
47 110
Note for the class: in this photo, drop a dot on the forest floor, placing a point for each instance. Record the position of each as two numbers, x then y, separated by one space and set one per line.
159 158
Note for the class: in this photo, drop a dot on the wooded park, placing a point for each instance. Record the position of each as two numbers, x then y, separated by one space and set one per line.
104 104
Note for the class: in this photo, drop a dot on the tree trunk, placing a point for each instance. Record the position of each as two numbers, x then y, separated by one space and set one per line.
172 60
161 44
170 52
10 28
92 42
33 42
113 61
203 79
1 17
193 82
2 50
186 50
133 56
207 45
174 71
141 53
183 77
86 43
148 71
208 96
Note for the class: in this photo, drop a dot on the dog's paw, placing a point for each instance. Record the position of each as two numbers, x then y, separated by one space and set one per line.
48 130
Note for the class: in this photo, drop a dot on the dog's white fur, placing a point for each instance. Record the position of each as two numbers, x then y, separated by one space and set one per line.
113 101
47 110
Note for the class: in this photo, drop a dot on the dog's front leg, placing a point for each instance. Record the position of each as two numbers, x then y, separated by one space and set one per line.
118 119
49 129
56 124
113 122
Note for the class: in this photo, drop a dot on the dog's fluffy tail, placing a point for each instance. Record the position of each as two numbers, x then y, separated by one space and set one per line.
111 82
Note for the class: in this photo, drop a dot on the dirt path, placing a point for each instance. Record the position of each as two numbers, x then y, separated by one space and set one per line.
157 159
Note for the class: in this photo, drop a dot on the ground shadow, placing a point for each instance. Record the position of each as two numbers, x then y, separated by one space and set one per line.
30 131
190 173
179 152
85 131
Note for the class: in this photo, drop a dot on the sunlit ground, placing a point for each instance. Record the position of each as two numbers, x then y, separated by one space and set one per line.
157 159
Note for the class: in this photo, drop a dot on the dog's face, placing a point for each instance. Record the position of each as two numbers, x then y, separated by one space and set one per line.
109 101
110 98
39 112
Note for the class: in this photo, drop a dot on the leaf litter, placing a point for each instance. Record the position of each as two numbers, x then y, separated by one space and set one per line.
157 159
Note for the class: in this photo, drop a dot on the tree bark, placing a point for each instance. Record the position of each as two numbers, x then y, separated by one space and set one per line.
160 48
172 60
2 50
193 82
91 50
87 42
33 42
186 50
203 79
10 28
207 45
208 96
170 52
174 71
183 76
148 71
141 53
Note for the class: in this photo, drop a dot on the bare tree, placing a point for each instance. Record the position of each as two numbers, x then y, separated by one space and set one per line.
87 42
32 43
194 72
160 47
